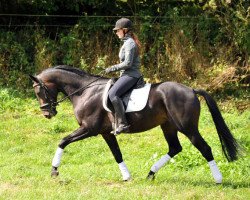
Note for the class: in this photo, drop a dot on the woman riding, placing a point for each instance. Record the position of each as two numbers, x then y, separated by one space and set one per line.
129 71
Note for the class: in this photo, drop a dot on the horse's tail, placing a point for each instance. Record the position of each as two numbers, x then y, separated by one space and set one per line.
229 144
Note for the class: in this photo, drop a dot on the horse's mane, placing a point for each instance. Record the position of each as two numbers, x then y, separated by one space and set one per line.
75 70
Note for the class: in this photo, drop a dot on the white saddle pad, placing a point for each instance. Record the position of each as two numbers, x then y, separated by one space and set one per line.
137 100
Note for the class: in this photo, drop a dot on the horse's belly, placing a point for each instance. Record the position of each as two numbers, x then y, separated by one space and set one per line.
144 121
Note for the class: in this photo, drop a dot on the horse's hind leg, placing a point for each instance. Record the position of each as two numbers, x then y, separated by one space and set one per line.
197 140
170 134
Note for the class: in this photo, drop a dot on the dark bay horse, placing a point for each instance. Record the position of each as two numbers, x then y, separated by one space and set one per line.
173 106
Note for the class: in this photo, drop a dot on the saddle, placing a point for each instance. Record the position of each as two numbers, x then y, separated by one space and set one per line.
134 100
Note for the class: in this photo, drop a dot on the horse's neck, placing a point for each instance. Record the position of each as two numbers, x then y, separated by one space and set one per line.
65 82
68 85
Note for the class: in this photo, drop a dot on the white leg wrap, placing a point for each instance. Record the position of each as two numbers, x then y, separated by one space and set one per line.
124 170
57 158
215 171
160 163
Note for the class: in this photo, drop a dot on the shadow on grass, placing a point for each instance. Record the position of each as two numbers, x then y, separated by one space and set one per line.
203 183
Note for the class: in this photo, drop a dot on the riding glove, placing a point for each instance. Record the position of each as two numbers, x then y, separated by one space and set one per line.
109 69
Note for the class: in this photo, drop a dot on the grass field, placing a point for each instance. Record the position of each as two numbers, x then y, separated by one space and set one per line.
88 170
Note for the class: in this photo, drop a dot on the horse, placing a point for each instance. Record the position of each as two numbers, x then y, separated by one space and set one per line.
172 106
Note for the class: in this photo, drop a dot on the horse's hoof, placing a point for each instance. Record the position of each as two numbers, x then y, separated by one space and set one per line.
151 175
127 179
54 172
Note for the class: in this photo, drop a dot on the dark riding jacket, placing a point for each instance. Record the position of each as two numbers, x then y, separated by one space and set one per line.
129 58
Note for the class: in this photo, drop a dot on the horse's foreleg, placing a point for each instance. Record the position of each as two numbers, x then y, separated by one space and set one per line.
115 149
170 134
79 134
56 162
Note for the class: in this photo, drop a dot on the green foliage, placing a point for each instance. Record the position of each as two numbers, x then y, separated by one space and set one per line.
182 40
233 17
13 59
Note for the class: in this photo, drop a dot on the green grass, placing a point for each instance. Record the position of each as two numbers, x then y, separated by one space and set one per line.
88 170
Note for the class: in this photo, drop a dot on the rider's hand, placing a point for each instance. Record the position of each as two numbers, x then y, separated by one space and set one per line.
108 70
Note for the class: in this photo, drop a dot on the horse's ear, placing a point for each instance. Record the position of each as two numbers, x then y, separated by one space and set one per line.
33 78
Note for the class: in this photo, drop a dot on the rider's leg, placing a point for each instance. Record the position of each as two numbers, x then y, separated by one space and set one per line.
121 86
122 124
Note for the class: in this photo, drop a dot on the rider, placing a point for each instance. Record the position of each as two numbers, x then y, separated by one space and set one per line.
129 70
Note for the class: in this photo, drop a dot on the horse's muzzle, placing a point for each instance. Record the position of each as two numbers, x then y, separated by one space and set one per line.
48 111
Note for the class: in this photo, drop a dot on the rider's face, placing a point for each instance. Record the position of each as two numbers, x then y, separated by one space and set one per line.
120 33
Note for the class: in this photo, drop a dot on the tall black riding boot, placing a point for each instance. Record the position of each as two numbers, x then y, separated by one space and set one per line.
122 124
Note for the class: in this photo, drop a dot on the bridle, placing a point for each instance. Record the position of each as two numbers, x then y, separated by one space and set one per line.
49 97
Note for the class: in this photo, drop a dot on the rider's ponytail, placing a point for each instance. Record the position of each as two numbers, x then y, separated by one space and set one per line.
134 36
137 41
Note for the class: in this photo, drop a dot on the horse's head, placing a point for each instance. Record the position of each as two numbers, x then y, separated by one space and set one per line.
46 93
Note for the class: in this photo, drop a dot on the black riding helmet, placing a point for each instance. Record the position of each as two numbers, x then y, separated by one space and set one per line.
123 23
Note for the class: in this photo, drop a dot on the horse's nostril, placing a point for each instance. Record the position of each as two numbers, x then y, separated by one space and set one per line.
47 116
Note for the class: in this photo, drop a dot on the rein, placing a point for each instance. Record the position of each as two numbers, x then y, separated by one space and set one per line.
82 88
54 104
